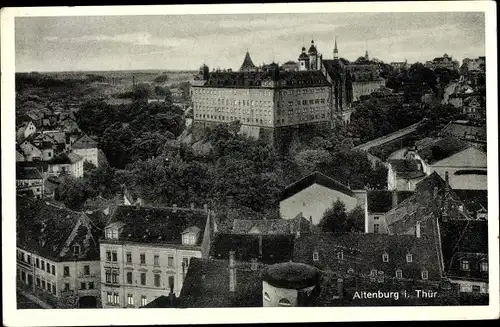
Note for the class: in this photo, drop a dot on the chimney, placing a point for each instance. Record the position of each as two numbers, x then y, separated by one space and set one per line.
232 272
192 206
174 206
394 198
340 288
417 229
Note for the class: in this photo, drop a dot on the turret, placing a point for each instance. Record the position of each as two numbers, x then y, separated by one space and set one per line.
303 60
313 56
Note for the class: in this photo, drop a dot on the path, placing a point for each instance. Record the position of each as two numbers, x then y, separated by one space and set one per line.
34 299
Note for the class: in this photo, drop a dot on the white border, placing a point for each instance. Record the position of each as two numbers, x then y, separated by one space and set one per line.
58 317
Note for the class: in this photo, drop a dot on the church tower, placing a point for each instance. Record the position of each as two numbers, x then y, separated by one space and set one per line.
303 60
366 56
248 65
313 56
335 51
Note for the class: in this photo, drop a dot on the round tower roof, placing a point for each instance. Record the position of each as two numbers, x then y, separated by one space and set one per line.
291 275
303 56
312 49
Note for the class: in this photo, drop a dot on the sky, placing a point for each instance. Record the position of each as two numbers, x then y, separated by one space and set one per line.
185 42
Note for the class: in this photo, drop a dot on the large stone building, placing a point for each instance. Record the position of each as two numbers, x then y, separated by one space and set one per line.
269 98
443 62
365 77
146 252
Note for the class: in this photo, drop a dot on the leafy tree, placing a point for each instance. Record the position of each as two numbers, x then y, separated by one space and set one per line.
72 192
334 219
356 220
142 91
162 78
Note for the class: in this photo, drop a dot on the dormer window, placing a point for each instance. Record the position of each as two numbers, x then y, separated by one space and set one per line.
76 249
425 274
315 256
464 265
399 274
385 257
483 266
409 258
340 255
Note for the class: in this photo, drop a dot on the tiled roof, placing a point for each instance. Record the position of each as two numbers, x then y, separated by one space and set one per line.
28 173
334 68
206 285
315 178
442 149
291 79
473 200
84 142
163 301
275 248
271 226
65 158
157 225
464 239
422 205
45 229
464 130
407 168
363 252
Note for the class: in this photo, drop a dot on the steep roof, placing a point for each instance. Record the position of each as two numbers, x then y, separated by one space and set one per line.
247 63
407 168
157 225
315 178
464 130
424 205
334 67
28 173
363 252
84 142
271 226
50 231
442 149
206 285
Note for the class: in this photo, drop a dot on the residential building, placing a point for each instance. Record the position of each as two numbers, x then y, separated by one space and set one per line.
290 66
25 130
314 194
466 165
404 174
87 148
69 163
476 64
30 151
472 133
29 180
379 203
443 62
365 77
57 254
400 65
474 107
146 252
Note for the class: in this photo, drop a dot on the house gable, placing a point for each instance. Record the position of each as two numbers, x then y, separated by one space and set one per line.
468 158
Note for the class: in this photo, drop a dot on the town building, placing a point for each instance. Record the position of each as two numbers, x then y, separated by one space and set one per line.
290 66
29 180
57 254
86 148
25 130
66 163
267 98
400 65
476 64
30 151
472 133
443 62
404 174
474 107
379 203
466 165
314 194
365 77
146 252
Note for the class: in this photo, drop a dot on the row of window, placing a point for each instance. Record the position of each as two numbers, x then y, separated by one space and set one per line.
114 299
238 111
112 278
40 264
385 256
424 274
112 256
465 265
296 91
46 286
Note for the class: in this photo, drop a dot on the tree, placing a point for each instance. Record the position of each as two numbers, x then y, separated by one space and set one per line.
72 192
142 91
356 220
334 219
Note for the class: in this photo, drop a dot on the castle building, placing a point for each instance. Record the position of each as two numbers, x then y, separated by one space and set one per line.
267 98
443 62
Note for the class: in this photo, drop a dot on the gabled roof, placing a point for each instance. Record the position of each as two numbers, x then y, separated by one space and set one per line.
334 68
50 231
84 142
442 149
247 63
206 285
407 168
28 173
463 130
315 178
157 225
363 252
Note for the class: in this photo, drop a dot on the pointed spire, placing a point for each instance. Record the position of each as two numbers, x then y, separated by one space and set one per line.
247 63
335 50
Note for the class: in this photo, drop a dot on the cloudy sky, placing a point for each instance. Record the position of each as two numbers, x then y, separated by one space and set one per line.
187 41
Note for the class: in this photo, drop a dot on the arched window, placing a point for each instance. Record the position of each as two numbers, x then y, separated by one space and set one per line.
267 297
284 303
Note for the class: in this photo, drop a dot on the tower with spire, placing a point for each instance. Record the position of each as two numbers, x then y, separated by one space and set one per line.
335 50
303 60
247 65
313 56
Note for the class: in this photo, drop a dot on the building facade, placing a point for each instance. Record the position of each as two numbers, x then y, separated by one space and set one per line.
443 62
29 180
70 163
146 251
86 148
57 255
